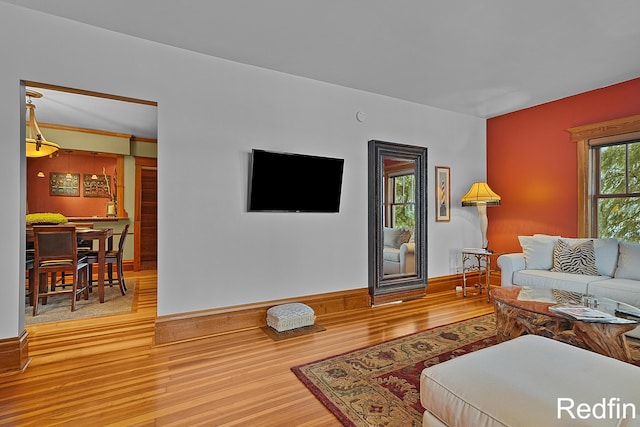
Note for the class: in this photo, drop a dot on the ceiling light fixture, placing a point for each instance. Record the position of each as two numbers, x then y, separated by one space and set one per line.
37 145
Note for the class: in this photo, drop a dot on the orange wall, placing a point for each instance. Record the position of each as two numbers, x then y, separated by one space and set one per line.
532 165
38 198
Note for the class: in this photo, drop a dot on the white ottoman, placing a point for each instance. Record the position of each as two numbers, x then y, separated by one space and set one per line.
530 381
290 316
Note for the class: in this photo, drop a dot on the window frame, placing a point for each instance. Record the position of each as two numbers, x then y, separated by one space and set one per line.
586 137
400 169
392 195
596 174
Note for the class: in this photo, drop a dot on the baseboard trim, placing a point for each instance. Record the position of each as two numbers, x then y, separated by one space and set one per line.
200 324
195 325
14 354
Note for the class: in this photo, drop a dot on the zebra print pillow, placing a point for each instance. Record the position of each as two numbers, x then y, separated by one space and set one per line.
579 259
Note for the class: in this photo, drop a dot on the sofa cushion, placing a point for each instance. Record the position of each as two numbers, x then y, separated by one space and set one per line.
395 237
577 259
391 254
538 251
623 290
628 261
552 280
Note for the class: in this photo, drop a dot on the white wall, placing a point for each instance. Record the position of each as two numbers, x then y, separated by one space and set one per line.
211 113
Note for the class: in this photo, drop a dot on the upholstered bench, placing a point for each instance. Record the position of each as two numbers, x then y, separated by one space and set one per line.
531 381
290 316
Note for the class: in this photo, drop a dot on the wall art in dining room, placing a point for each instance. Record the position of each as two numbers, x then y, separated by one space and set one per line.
96 186
64 184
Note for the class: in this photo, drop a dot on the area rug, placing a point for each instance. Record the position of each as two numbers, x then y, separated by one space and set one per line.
58 307
380 385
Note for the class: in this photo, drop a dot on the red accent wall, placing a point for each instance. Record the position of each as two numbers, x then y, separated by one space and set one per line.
532 164
38 198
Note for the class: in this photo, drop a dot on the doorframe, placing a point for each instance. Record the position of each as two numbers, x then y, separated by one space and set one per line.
141 163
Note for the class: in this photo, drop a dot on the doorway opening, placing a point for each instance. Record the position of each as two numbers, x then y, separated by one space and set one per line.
104 136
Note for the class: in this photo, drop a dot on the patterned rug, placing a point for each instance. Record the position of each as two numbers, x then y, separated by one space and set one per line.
380 385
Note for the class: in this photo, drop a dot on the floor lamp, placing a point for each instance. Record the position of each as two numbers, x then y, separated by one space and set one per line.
481 196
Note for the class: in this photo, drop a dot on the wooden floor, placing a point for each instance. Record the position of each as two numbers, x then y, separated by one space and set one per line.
106 371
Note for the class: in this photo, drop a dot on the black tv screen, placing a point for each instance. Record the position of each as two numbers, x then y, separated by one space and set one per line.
287 182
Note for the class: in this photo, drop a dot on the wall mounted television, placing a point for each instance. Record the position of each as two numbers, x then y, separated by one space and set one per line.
288 182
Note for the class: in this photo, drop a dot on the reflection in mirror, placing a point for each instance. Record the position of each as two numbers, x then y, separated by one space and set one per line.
397 226
398 216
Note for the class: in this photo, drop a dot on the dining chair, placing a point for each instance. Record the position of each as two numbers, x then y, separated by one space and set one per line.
111 257
83 247
55 251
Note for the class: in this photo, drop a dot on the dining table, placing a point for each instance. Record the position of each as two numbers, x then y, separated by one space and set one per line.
102 235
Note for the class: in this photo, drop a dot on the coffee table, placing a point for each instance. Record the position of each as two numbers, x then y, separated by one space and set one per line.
515 317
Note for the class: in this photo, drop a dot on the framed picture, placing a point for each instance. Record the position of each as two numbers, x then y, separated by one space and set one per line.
64 184
443 194
96 187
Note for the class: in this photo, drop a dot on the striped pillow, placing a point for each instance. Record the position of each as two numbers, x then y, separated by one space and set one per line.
579 259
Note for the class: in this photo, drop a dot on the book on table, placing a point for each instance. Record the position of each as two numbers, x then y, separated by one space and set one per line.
580 312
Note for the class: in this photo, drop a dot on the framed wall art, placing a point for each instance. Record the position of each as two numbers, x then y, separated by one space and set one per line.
443 194
64 184
96 187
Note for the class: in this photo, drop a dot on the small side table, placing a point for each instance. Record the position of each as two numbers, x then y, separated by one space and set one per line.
479 260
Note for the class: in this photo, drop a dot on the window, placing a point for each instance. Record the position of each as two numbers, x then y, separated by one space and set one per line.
608 182
616 196
402 200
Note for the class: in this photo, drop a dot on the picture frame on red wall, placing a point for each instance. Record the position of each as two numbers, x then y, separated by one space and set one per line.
64 184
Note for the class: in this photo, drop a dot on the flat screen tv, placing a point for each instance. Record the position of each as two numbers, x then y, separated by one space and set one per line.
288 182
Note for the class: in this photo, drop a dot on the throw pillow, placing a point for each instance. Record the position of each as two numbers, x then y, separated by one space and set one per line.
395 237
578 259
606 250
628 261
538 251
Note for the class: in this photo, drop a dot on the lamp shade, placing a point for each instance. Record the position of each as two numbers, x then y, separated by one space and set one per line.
480 193
37 145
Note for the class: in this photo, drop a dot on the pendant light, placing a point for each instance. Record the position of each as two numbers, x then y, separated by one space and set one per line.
37 145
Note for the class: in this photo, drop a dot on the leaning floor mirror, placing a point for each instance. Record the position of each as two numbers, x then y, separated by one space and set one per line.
397 222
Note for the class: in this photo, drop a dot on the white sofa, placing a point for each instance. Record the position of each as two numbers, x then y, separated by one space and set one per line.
398 251
617 264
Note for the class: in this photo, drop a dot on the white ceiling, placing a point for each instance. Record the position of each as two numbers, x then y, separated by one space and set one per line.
478 57
95 112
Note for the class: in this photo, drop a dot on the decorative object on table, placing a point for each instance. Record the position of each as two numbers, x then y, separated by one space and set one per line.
481 196
46 218
64 184
111 204
37 144
443 194
290 316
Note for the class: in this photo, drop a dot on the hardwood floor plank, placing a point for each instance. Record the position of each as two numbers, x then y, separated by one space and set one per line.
106 371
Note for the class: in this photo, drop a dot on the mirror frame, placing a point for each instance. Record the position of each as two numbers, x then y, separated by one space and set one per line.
397 287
